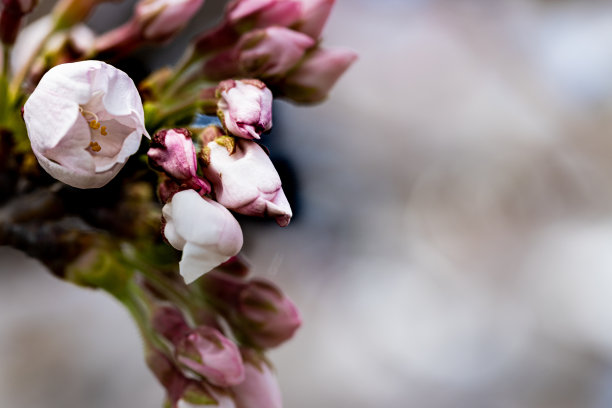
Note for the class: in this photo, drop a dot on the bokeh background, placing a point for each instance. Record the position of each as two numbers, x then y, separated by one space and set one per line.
453 244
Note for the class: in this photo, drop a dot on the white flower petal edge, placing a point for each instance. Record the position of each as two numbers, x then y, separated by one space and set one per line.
84 120
206 232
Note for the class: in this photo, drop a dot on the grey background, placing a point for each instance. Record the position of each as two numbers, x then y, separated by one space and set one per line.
454 247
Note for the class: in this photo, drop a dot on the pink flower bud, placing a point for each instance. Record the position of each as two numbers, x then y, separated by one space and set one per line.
153 21
312 80
246 181
314 16
272 51
161 19
166 373
167 188
245 107
212 355
242 16
84 120
170 323
172 151
260 388
263 13
258 312
203 229
183 392
270 317
267 52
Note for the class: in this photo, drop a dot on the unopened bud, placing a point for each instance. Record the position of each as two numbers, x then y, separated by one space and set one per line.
270 317
256 310
259 388
209 353
263 53
161 19
313 17
246 181
172 151
245 107
312 80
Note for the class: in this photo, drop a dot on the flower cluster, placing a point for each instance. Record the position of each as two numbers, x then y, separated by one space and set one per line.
158 231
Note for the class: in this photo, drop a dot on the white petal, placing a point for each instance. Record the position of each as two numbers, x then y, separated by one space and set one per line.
59 133
200 220
197 260
79 179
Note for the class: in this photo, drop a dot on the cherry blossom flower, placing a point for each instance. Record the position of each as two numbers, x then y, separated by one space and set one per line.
314 16
312 80
212 355
245 107
246 181
84 120
172 151
263 53
161 19
204 350
203 229
259 388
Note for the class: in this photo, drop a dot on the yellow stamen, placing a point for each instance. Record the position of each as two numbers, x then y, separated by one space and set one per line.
95 146
94 124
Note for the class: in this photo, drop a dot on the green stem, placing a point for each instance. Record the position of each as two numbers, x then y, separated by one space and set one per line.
159 115
166 286
4 80
133 299
187 60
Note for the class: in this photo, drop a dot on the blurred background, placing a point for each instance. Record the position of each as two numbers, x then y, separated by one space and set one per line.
453 246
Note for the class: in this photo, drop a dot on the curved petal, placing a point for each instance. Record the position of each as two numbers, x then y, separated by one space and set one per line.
59 112
45 127
197 260
77 178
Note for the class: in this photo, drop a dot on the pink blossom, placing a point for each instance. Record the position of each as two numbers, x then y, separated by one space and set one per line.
203 229
153 21
204 350
272 51
312 80
246 181
209 353
270 318
161 19
172 151
245 107
183 392
84 120
260 388
263 13
170 323
313 16
267 52
256 309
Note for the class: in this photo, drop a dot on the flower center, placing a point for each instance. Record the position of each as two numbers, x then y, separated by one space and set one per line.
94 123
